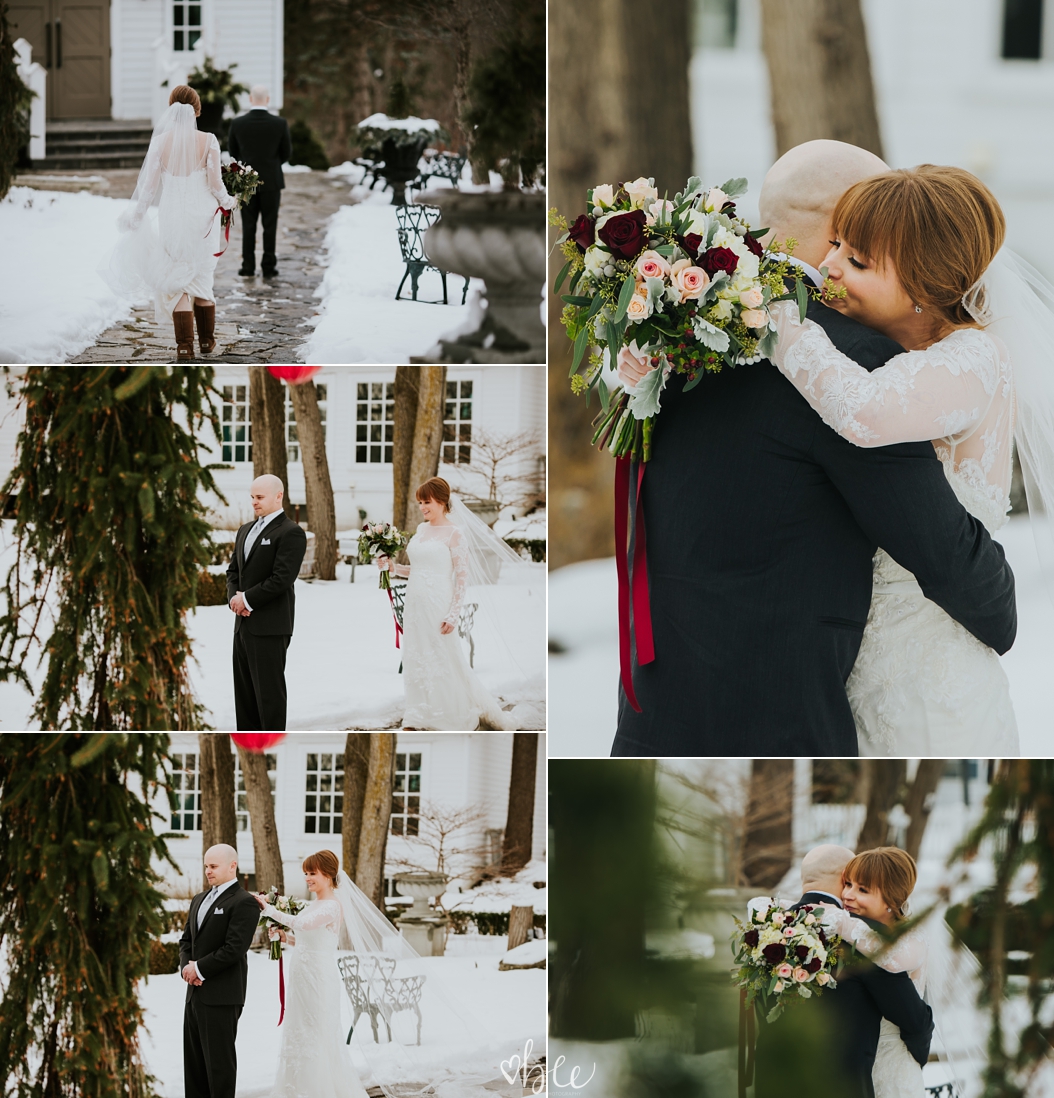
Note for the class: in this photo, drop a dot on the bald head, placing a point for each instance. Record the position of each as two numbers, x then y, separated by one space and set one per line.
221 864
802 189
266 493
821 868
259 96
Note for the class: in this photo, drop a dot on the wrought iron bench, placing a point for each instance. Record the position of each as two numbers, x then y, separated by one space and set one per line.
465 623
442 165
413 221
374 989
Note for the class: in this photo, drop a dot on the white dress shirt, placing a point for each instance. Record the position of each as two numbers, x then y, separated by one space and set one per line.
251 538
216 890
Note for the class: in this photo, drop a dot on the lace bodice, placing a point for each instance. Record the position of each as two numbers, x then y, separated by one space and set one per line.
316 927
957 393
156 170
440 547
906 954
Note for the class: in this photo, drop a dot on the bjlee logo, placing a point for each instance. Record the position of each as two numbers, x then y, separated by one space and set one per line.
534 1076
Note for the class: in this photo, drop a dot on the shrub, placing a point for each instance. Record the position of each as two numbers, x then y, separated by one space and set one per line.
487 922
534 546
164 957
306 147
15 99
212 590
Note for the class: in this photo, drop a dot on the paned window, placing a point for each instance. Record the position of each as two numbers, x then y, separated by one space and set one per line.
406 794
241 800
457 423
291 438
1023 30
324 794
186 789
374 422
714 24
186 24
237 433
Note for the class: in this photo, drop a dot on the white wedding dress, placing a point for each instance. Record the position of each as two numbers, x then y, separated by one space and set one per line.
443 693
922 684
314 1060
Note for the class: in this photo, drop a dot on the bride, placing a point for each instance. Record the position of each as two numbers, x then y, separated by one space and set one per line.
172 258
451 550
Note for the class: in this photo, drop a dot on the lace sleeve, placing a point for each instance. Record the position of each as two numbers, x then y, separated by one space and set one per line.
314 916
904 955
215 177
147 185
459 558
917 396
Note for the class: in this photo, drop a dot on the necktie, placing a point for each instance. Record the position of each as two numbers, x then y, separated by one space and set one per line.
254 533
205 905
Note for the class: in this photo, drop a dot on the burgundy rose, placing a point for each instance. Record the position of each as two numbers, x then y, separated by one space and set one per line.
813 965
751 938
717 260
774 953
581 232
691 243
624 234
759 251
801 952
823 937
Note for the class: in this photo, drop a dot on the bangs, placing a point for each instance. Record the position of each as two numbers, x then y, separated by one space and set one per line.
426 492
862 870
871 216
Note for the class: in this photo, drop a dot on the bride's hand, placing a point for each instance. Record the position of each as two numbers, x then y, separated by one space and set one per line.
446 628
260 898
632 369
383 562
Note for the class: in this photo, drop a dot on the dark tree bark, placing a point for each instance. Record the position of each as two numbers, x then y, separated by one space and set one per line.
356 776
767 845
516 848
605 126
266 851
320 509
918 803
887 786
376 812
267 419
428 430
521 920
407 380
819 73
219 822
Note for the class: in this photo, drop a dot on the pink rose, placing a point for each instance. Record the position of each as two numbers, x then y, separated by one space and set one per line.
689 281
638 307
752 298
789 932
801 976
755 318
652 265
784 972
822 978
779 987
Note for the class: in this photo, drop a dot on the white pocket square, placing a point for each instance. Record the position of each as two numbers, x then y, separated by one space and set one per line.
218 911
266 541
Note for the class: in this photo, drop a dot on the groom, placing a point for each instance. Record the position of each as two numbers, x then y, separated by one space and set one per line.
262 139
264 567
212 961
849 1016
761 527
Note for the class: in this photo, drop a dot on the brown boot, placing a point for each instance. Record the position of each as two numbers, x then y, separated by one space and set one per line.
205 316
183 319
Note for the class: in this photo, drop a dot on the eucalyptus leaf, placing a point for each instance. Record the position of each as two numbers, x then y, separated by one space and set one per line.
665 250
614 340
803 298
625 294
561 276
598 304
605 396
576 299
574 279
580 347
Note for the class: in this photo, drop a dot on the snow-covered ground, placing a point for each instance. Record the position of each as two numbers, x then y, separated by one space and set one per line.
482 1018
360 320
53 301
503 894
583 680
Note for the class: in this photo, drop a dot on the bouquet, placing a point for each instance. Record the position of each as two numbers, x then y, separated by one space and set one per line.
381 539
288 905
241 182
783 955
683 283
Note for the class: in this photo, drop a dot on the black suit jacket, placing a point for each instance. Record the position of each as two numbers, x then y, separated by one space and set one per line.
219 948
761 527
262 140
850 1017
267 577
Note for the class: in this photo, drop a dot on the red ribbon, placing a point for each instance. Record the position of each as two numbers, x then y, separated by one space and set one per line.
226 217
398 627
281 988
632 583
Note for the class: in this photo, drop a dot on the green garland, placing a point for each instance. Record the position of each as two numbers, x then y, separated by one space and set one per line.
111 535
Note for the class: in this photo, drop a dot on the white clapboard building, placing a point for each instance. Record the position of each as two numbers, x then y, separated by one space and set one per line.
437 775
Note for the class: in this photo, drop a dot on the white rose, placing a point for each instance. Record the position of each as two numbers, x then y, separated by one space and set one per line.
724 238
755 318
604 195
596 260
749 264
698 223
752 298
723 310
641 192
660 207
716 198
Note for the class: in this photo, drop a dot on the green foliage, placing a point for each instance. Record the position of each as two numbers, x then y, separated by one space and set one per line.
78 909
111 535
306 147
400 104
534 546
505 114
215 85
212 589
487 922
15 99
164 957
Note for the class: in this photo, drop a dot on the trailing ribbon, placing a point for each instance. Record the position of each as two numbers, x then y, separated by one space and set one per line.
226 217
746 1043
395 617
632 582
281 987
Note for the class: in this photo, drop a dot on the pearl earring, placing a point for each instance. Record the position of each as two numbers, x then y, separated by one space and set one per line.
918 308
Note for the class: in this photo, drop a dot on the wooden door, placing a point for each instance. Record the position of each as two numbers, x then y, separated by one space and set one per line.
71 39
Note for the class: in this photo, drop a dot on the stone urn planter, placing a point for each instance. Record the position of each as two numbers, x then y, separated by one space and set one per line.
422 927
400 165
497 236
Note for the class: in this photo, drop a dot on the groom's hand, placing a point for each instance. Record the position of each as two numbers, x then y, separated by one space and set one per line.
237 604
632 369
190 974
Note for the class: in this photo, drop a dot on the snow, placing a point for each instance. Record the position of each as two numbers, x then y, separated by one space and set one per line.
295 168
503 1010
530 953
360 320
53 301
583 680
410 125
503 894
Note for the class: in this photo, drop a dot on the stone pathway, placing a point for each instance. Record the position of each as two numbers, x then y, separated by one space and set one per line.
257 319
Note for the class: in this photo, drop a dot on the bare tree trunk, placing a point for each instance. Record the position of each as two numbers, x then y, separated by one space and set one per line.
919 802
428 428
521 921
219 823
320 509
605 126
268 855
819 72
767 845
516 848
376 812
356 775
405 419
267 420
887 784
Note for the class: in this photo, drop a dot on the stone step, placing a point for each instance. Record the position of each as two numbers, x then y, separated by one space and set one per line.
89 161
96 148
96 144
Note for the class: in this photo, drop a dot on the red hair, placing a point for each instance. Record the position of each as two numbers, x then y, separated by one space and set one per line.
324 862
435 488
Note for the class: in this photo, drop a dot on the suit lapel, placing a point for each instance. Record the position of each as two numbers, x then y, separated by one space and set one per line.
227 893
